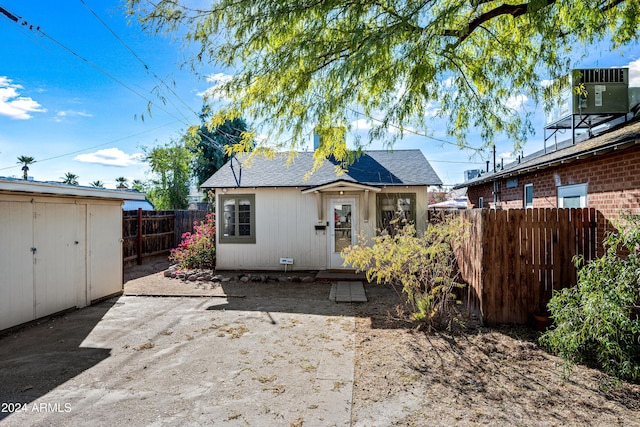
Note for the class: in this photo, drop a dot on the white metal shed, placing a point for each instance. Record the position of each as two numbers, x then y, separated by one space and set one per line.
60 247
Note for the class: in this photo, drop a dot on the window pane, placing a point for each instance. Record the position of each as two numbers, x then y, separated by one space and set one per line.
244 217
404 209
394 211
229 225
342 219
528 195
571 202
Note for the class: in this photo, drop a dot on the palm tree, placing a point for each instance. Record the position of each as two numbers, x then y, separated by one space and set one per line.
97 184
138 185
122 182
26 161
70 178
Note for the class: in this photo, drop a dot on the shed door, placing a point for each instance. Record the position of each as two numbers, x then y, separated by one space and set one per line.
105 250
16 263
60 273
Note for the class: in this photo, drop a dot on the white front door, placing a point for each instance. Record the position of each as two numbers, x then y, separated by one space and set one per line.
343 218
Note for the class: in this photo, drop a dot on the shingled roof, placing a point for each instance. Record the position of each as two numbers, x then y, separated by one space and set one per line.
375 168
619 138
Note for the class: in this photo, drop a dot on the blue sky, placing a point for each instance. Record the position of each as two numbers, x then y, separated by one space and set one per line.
72 95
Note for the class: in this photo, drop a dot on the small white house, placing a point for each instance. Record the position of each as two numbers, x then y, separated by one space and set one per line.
60 247
267 214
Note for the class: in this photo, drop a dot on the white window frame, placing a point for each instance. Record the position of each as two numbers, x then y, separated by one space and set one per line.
573 190
527 205
481 202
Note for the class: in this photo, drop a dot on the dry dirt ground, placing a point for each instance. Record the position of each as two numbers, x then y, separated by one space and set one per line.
483 376
394 375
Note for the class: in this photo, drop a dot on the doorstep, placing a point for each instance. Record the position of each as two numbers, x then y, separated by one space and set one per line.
351 291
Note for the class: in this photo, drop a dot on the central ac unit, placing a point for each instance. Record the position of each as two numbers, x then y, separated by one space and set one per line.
592 91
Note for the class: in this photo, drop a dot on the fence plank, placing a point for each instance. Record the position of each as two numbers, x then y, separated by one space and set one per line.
514 259
537 255
528 274
488 293
152 233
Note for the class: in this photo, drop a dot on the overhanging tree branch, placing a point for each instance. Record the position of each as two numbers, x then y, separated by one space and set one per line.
514 10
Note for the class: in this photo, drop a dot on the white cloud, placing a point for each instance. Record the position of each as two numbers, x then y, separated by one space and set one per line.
15 106
216 80
432 109
507 156
110 157
61 115
366 124
634 73
516 102
361 124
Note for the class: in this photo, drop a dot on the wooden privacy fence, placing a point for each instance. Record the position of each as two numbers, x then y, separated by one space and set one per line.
152 233
515 258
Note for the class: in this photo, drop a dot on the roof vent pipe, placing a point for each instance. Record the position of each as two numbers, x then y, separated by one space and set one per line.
487 166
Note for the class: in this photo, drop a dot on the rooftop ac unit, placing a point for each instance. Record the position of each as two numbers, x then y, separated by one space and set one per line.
606 92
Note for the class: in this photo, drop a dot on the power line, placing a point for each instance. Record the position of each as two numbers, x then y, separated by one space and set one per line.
424 135
460 163
146 67
95 146
16 18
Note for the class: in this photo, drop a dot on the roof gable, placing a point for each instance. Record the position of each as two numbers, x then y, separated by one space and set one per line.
376 168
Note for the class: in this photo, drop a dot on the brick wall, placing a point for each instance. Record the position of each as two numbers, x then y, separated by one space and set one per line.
613 184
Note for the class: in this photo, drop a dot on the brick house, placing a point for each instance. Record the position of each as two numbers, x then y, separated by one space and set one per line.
602 172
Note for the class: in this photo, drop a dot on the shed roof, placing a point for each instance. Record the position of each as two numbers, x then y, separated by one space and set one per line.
134 205
622 137
15 185
375 168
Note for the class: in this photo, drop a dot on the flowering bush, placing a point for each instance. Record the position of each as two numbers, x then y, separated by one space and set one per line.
197 249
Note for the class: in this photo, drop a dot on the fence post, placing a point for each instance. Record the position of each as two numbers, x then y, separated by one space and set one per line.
139 240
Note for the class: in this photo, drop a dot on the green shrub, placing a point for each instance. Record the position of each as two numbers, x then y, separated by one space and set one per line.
197 249
597 322
423 267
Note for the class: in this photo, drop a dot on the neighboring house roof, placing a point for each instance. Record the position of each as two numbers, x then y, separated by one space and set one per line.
134 205
60 189
373 168
460 203
621 137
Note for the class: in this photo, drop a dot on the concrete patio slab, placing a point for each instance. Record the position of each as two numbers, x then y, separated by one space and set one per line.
261 360
348 292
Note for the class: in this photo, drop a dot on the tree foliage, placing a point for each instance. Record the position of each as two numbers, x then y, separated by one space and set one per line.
138 185
169 188
122 182
598 320
209 144
302 64
70 178
25 161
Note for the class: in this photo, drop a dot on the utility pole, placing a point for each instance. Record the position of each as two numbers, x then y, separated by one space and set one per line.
494 158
